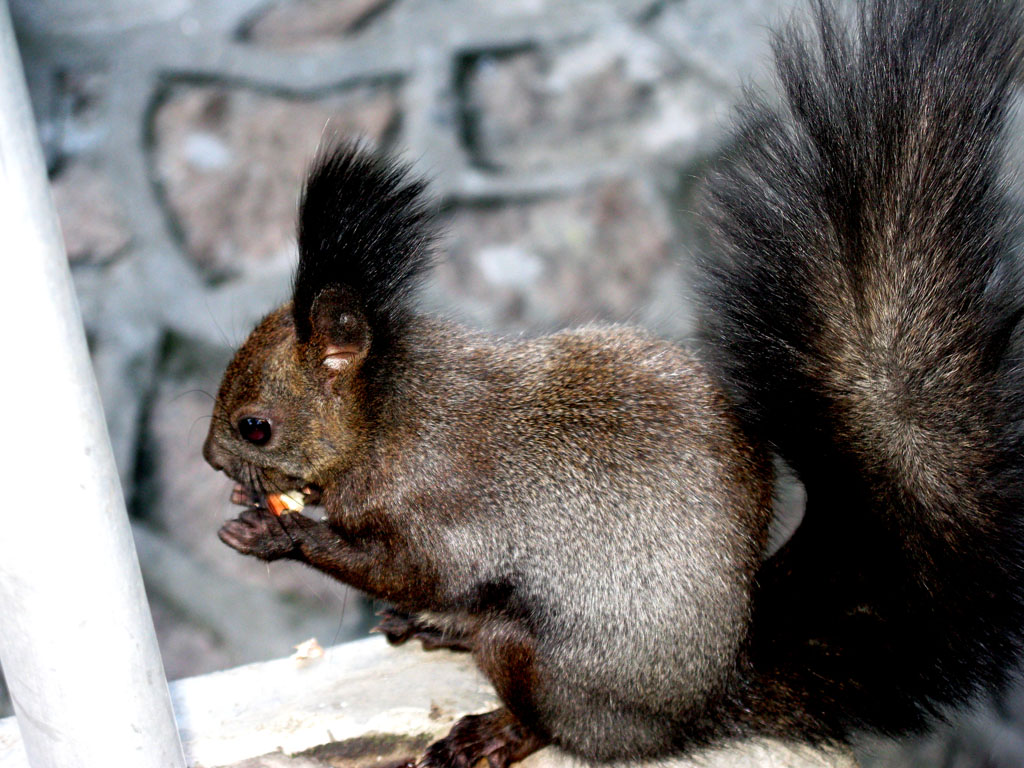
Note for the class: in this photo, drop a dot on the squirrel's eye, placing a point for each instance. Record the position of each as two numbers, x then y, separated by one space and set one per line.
256 431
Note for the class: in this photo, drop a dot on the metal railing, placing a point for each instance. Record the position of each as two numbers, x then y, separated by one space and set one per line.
76 636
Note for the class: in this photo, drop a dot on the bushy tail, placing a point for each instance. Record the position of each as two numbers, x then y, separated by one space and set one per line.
863 311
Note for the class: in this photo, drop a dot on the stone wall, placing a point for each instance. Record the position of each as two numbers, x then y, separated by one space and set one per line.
566 141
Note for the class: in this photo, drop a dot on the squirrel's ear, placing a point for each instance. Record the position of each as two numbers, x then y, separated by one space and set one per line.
341 335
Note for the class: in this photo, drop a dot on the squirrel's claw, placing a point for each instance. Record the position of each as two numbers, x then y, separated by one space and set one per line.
397 627
400 627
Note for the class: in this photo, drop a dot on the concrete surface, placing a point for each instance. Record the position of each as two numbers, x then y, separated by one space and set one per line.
364 703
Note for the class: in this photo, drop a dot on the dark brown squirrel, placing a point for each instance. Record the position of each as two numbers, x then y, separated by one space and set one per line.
586 512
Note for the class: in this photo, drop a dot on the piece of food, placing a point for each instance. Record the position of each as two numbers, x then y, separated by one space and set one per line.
280 503
308 651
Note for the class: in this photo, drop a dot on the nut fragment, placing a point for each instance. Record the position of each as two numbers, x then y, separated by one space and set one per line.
308 651
280 503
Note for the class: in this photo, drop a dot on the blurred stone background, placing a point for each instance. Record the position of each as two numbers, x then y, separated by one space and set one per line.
566 140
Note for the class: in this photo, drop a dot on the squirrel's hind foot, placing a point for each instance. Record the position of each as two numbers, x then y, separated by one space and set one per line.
497 737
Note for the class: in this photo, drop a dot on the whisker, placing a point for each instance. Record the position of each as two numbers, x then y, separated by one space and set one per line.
209 311
188 437
341 619
180 395
221 420
260 481
276 487
255 487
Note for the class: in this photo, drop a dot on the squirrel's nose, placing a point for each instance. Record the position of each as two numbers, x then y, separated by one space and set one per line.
211 455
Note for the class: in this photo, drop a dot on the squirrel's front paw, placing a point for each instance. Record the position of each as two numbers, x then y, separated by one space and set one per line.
258 532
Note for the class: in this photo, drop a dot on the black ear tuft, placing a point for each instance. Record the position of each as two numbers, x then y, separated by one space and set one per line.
364 227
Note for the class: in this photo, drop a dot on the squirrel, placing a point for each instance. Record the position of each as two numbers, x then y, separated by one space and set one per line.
587 512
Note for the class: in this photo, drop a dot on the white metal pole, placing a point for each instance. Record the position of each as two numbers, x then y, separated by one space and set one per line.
76 637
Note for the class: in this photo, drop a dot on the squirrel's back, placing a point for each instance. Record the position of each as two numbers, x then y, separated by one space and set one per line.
863 313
